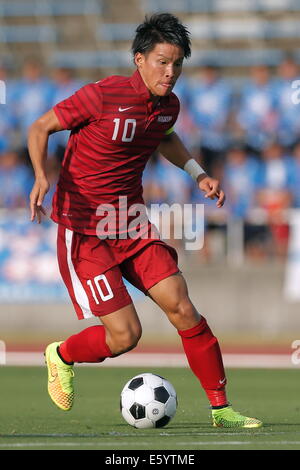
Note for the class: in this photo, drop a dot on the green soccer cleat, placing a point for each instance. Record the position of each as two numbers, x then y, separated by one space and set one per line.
228 418
60 378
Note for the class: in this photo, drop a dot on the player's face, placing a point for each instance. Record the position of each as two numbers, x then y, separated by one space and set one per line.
160 68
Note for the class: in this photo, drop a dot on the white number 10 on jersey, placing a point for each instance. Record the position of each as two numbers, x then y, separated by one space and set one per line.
128 129
97 281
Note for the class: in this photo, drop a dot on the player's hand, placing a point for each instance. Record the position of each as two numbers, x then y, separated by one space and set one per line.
39 190
211 188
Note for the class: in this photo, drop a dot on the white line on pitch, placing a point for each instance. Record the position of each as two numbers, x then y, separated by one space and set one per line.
163 360
147 444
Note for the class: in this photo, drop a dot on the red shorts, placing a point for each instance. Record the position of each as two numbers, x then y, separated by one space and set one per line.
93 269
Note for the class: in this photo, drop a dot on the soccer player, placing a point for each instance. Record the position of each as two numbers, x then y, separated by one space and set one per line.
116 124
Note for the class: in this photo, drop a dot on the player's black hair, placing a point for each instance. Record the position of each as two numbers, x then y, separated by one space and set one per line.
160 28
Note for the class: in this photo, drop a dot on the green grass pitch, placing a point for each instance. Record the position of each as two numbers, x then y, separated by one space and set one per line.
29 420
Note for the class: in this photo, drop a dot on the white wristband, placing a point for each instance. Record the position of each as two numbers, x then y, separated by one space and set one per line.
193 169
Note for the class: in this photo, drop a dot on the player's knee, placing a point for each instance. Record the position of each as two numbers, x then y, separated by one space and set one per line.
182 313
180 306
126 341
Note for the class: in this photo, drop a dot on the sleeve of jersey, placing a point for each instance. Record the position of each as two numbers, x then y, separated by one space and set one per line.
81 108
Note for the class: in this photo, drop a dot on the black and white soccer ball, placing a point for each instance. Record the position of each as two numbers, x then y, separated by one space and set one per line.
148 401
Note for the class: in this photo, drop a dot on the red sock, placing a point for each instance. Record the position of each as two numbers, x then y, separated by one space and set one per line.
205 359
87 346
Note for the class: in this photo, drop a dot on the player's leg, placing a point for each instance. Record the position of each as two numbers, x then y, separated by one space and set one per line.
120 332
200 345
123 330
201 348
155 271
95 290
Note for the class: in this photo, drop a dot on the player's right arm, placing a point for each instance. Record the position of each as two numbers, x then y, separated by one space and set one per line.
38 136
83 107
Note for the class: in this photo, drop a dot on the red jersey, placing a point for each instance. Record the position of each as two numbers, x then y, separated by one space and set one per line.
115 130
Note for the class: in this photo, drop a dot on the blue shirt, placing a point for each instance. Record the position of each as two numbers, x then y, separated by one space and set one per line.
289 122
15 186
277 174
185 126
61 92
240 183
295 185
7 120
30 100
257 113
174 182
210 104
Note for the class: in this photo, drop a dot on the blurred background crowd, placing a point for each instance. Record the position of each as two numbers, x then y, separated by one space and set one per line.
245 132
239 104
239 95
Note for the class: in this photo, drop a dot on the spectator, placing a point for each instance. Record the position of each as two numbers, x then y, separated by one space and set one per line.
274 193
256 116
64 86
185 126
175 182
165 183
240 179
31 98
296 176
15 181
153 193
288 111
210 101
7 123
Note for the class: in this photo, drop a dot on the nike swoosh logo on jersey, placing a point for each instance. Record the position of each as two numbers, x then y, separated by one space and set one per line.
222 381
124 109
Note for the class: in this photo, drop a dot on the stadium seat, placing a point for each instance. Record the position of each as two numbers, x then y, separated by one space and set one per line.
236 57
220 29
116 31
177 6
201 29
28 8
28 33
240 28
91 59
17 8
283 29
121 58
220 6
76 7
198 6
275 5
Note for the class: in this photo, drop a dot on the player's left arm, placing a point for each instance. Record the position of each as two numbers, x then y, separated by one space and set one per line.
173 149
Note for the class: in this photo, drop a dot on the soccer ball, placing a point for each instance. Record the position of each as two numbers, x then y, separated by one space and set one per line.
148 401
